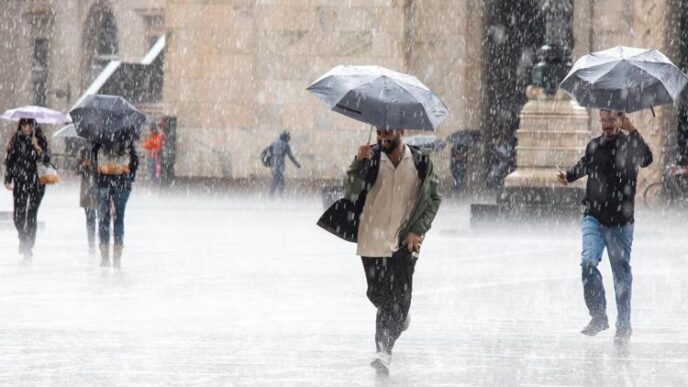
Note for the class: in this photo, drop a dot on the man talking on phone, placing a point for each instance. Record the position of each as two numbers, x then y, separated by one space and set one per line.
611 163
400 194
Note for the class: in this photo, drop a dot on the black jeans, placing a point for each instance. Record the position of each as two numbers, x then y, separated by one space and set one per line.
27 199
390 282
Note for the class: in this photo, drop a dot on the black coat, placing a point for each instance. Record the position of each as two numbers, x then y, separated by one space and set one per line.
612 168
20 161
343 217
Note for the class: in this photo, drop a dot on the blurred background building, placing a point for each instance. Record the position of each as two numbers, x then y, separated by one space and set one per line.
232 74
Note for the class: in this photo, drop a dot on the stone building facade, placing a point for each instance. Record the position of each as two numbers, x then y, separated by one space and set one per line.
53 49
236 70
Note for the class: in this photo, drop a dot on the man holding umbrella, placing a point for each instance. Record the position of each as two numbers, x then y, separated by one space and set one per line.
401 198
391 189
611 163
618 80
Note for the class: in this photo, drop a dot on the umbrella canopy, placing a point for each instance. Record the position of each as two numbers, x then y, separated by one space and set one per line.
464 137
68 131
625 79
380 97
42 115
106 119
426 142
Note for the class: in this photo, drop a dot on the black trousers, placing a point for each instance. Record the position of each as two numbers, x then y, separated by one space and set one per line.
390 282
27 199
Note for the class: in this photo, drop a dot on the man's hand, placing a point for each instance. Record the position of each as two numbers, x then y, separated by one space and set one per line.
412 242
562 178
626 124
364 152
9 186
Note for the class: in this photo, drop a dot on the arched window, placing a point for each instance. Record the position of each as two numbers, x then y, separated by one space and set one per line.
100 40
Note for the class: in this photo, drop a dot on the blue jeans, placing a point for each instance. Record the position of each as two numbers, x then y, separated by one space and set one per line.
91 216
618 241
118 198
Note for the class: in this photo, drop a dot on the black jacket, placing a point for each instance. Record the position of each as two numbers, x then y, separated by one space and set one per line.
612 168
116 181
21 159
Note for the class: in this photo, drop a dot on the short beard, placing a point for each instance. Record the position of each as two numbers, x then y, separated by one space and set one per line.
393 145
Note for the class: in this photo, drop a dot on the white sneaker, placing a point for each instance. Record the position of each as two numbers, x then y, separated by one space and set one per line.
381 364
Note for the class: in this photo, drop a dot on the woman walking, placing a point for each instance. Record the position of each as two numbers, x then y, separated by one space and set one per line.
27 148
116 166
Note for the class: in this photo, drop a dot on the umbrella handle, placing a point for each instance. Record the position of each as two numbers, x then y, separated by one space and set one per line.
652 109
370 135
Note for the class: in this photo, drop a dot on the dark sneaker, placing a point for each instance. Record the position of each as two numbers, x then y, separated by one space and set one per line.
595 326
381 363
623 335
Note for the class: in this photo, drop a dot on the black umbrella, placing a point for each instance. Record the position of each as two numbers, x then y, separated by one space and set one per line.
467 138
106 119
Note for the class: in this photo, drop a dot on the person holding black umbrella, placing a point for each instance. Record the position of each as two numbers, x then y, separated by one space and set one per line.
115 170
611 163
27 148
398 188
112 124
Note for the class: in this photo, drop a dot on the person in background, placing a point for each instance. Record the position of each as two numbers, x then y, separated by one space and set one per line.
153 145
280 149
27 147
87 195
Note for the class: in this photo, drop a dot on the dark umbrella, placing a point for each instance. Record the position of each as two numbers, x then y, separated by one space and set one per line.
624 79
380 97
464 137
106 119
426 142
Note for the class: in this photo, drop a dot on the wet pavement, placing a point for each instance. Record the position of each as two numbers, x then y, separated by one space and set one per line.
218 289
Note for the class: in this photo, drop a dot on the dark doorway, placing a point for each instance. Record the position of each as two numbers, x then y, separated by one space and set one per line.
514 30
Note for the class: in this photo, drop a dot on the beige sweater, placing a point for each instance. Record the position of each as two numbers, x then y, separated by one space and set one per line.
387 206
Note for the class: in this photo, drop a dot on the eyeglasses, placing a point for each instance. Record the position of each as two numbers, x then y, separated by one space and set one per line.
608 120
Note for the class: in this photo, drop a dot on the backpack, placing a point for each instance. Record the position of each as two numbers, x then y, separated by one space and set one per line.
266 156
113 160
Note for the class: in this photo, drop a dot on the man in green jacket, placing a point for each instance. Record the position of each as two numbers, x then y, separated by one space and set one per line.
398 190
